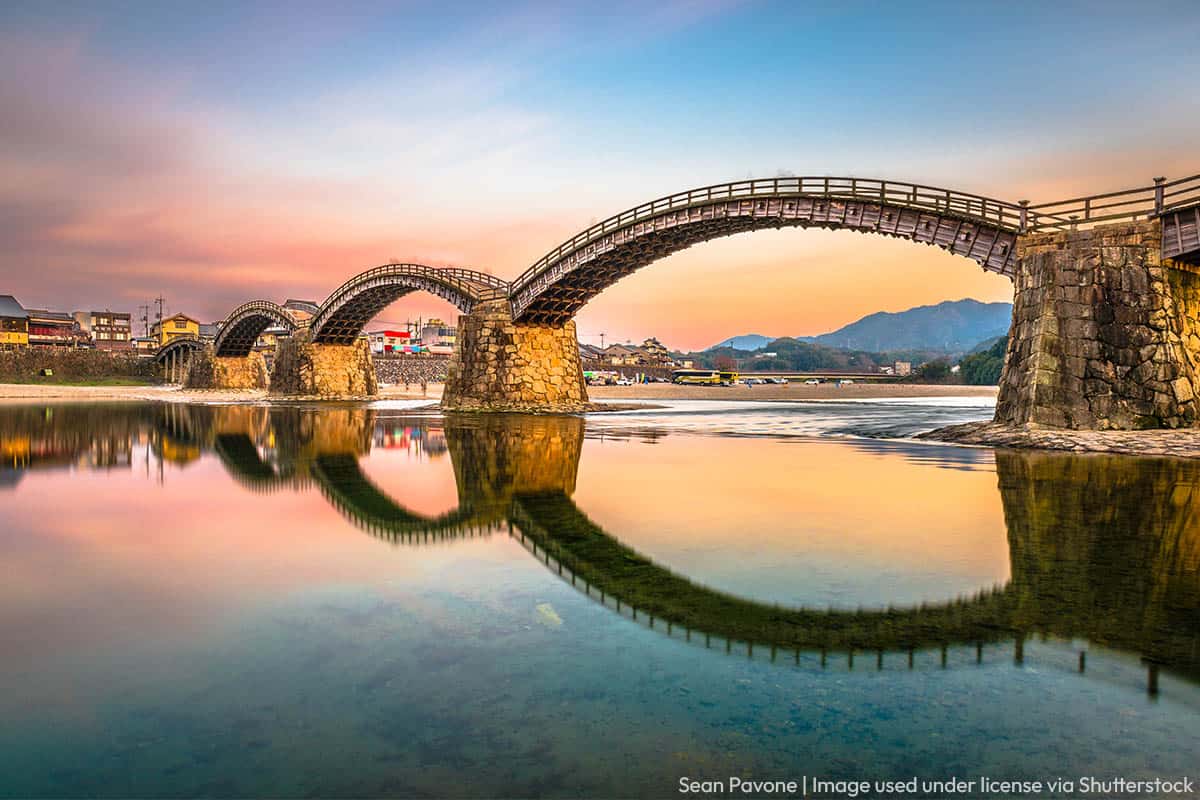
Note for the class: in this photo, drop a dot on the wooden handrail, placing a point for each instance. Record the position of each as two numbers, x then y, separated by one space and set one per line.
918 196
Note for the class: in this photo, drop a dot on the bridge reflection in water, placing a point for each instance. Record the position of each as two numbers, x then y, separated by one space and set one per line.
1102 549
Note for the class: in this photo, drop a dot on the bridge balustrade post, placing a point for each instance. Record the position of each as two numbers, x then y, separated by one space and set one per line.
1159 194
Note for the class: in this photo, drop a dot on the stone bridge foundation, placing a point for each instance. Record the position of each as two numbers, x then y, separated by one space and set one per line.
211 371
310 369
1105 334
502 365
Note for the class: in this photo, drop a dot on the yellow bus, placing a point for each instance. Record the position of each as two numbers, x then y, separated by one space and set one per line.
705 377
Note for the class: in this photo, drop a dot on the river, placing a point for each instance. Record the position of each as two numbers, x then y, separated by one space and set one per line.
284 600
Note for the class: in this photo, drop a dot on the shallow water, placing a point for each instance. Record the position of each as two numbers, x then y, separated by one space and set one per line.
243 601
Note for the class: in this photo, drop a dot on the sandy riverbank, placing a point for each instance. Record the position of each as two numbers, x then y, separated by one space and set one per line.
26 393
17 393
791 391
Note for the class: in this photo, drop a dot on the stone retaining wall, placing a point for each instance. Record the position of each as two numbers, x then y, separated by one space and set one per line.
1105 336
410 369
70 364
500 365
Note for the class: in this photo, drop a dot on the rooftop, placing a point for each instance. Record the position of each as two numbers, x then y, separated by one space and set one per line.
9 307
41 313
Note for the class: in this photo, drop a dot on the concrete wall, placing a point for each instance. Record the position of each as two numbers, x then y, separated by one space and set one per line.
499 365
1105 336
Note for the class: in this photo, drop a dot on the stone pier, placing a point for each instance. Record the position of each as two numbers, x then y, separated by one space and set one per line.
502 365
1106 335
310 369
211 371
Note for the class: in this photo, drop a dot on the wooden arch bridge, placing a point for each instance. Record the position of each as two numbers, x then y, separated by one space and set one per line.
517 348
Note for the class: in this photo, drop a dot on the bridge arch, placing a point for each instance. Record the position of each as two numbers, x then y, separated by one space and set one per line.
553 290
342 482
553 522
352 305
180 345
246 323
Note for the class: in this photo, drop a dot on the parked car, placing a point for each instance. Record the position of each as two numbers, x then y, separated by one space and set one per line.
812 382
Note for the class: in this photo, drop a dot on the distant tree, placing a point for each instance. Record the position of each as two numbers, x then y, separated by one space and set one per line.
983 368
936 371
724 363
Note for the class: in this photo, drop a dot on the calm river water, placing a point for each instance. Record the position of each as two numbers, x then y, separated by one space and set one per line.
351 601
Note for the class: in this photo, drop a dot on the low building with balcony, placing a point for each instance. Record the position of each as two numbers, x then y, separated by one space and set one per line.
173 327
14 324
107 330
54 329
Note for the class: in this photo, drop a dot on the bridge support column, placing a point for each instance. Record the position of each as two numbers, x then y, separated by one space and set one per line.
211 371
1105 334
311 369
502 365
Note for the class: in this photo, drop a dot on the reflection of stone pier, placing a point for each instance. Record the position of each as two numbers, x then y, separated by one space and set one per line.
496 460
1077 523
1104 549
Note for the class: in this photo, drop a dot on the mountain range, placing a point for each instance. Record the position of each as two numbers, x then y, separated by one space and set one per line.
950 326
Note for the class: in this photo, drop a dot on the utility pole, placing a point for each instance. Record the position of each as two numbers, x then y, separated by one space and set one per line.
145 312
159 300
602 340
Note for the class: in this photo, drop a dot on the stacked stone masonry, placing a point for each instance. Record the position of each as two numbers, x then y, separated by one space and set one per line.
1105 335
406 369
211 371
501 365
305 368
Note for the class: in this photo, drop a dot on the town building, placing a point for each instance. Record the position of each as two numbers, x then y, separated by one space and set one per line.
173 327
107 330
390 341
902 368
53 329
209 330
655 352
438 336
651 353
268 340
145 345
14 324
589 354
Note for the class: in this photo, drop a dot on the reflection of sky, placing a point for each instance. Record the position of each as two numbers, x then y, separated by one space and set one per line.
810 523
804 523
319 141
164 637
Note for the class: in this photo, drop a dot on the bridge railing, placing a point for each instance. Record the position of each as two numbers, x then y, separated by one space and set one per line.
896 193
465 280
1144 202
261 306
189 341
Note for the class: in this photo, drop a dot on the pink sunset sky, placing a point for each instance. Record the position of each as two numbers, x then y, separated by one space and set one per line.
272 151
